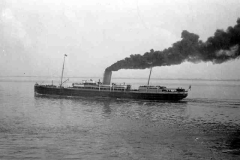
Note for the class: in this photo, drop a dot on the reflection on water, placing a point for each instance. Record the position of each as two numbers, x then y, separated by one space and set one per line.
233 143
94 128
106 108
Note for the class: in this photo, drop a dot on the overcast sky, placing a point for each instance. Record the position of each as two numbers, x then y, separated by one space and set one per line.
35 34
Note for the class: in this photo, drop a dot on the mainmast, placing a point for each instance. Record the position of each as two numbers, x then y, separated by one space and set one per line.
62 69
149 75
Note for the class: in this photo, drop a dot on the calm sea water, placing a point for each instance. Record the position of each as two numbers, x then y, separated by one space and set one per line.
205 125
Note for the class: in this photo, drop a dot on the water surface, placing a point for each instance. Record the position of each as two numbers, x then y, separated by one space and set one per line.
205 125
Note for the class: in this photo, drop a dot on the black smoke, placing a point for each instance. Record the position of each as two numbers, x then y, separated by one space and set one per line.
221 47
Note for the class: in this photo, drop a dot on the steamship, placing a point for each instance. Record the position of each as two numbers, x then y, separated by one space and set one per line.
90 88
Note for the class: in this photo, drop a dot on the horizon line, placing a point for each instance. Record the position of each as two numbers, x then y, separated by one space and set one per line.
203 79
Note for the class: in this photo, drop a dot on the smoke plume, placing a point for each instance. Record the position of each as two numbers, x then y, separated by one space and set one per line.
221 47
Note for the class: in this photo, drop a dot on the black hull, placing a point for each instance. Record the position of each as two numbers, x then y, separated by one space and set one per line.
74 92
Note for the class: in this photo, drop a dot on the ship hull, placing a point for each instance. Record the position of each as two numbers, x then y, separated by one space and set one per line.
75 92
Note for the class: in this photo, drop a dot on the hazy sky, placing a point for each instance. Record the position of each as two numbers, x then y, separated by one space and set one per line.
35 34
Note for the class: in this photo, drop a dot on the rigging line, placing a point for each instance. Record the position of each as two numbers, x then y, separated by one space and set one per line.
139 16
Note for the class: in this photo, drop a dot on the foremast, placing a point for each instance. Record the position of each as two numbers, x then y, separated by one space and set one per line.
62 70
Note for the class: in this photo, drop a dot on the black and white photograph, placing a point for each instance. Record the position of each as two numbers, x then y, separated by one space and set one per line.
119 80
